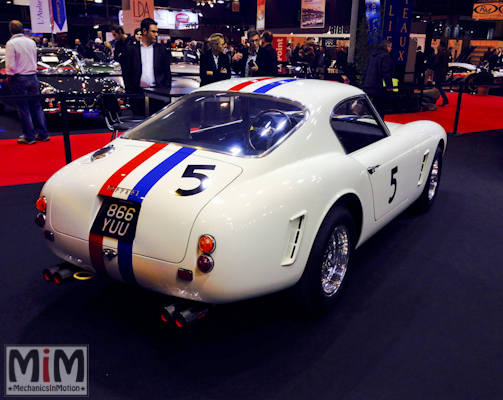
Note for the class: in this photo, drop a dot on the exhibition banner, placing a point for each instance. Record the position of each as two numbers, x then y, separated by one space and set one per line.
279 44
59 16
312 14
260 14
396 28
40 15
488 11
373 13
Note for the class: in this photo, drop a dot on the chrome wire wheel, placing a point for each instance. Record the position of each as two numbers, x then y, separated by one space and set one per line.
335 261
433 181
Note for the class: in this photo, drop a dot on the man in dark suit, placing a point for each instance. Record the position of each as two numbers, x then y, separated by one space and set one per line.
267 58
215 65
244 61
147 65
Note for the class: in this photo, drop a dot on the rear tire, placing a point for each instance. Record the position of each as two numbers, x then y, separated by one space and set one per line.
429 194
326 270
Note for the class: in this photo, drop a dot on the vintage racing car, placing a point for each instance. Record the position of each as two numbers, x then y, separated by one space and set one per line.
242 188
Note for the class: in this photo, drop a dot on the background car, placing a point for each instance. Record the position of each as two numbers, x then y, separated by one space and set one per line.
64 70
185 69
243 188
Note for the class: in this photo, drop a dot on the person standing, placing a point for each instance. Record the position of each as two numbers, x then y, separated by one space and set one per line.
215 65
244 62
440 70
147 65
419 67
121 42
79 48
21 70
378 77
267 58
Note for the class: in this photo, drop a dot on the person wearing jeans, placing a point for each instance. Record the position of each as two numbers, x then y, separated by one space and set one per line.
21 69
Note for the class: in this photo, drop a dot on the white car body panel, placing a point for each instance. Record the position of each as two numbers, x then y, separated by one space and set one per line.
252 206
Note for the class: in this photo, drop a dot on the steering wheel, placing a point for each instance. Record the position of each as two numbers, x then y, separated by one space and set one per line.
267 128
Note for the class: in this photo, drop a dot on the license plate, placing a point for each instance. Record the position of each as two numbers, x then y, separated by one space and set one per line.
91 113
117 219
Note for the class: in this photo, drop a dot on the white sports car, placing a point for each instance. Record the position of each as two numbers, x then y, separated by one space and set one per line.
243 188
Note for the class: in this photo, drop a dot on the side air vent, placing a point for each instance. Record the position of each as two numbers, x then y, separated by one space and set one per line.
423 167
295 229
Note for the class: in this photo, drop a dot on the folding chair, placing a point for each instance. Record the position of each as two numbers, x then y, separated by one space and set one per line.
111 109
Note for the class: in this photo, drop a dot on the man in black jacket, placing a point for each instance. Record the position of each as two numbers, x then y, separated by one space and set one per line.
378 77
244 61
215 65
267 58
147 65
121 43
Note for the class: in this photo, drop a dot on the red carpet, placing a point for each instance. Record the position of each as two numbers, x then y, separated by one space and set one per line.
36 163
478 113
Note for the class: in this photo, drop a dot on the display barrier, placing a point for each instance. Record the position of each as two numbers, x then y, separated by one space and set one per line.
163 95
63 97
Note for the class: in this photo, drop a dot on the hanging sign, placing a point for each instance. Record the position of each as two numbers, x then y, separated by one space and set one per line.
40 15
134 11
312 14
260 14
488 11
59 16
373 13
396 28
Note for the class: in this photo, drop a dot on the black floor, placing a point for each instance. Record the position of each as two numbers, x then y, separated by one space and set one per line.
420 318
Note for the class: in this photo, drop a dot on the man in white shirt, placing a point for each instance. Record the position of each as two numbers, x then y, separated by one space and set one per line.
21 69
147 65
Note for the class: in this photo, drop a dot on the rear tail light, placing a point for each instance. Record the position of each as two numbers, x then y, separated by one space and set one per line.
40 220
41 204
207 244
205 263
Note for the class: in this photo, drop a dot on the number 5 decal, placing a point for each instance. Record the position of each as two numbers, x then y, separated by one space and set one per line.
189 173
393 183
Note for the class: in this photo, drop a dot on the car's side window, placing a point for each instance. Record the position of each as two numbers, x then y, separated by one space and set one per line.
355 125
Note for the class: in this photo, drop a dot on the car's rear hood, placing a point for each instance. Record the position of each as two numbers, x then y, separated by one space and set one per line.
169 183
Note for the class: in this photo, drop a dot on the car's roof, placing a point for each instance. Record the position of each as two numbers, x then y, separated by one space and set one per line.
305 91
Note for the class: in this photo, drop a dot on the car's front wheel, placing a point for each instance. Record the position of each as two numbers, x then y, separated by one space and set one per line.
322 281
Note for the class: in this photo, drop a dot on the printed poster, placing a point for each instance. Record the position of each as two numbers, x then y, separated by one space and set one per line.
312 14
260 15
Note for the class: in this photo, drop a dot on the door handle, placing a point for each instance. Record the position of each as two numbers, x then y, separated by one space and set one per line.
371 170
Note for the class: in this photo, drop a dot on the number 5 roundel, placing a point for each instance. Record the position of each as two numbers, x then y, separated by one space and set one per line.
203 179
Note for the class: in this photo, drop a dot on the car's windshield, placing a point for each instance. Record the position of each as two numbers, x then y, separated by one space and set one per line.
232 123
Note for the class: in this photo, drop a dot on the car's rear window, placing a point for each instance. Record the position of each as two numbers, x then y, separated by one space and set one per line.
232 123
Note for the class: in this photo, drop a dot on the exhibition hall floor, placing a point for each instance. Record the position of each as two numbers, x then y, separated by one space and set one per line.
420 317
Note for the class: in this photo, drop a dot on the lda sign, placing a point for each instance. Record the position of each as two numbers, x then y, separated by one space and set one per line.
46 370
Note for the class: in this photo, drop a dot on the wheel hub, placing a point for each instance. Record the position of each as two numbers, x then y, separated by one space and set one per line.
335 261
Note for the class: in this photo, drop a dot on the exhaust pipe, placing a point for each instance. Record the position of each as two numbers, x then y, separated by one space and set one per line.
189 316
168 313
63 275
48 273
185 312
65 272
